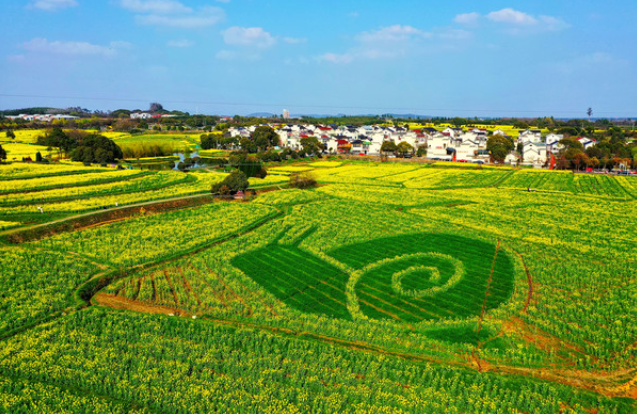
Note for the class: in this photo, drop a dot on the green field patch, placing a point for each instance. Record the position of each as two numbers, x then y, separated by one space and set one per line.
468 334
297 278
407 278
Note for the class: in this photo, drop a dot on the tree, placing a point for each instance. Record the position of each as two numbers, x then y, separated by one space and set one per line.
302 181
124 125
387 147
589 112
248 164
97 148
234 182
10 134
248 145
569 131
404 148
58 139
499 147
520 150
38 157
312 146
155 107
3 153
265 137
569 143
579 159
592 162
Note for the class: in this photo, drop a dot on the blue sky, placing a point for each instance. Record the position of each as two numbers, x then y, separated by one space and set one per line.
465 58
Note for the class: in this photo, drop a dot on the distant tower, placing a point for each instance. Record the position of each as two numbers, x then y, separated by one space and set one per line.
286 114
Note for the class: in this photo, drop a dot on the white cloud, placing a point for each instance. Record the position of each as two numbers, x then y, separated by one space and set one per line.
207 16
179 43
52 5
452 34
172 13
294 40
236 55
40 45
517 22
467 18
155 6
511 16
397 41
248 36
553 23
395 33
336 58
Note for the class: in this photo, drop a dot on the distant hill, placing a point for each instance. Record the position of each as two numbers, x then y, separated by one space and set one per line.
29 111
262 115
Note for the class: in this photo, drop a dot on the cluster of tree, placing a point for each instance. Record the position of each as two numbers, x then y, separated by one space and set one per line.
96 149
249 165
499 147
234 182
217 140
400 150
188 163
607 154
81 146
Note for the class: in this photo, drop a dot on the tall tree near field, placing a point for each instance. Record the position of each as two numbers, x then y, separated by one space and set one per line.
387 148
264 137
589 112
312 146
3 153
593 162
10 134
404 148
499 147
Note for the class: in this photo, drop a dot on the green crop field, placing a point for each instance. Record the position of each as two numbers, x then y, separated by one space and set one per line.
388 288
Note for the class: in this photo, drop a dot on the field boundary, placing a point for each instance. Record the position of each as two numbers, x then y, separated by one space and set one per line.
92 218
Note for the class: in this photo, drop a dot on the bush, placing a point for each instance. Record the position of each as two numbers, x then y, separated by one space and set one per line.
302 181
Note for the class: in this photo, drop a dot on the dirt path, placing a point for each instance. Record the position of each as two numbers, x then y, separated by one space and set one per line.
118 302
529 280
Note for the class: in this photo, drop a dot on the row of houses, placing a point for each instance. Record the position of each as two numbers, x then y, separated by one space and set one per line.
146 115
42 117
449 144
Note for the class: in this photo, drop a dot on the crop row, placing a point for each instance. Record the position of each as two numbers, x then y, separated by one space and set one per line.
129 242
37 184
135 359
21 171
37 284
130 184
593 184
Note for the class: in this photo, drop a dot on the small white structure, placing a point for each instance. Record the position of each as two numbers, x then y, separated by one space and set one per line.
534 153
